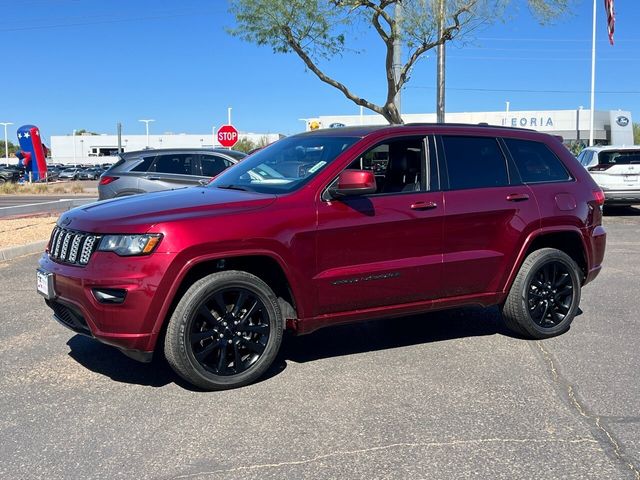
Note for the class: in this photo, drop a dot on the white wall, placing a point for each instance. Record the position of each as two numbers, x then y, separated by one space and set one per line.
63 147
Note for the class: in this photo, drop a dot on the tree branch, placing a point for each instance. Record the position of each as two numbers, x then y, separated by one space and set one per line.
293 43
447 34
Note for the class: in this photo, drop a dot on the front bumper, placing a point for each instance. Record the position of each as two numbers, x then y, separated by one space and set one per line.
131 326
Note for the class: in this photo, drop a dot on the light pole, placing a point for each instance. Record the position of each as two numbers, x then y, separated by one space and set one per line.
74 145
6 141
146 124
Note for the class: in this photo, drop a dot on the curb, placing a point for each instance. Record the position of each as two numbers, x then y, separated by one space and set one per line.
14 252
45 207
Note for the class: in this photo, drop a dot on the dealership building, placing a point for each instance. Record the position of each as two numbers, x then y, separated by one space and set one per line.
613 127
91 148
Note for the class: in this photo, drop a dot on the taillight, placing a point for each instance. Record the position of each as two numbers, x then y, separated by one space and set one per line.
106 180
600 168
598 196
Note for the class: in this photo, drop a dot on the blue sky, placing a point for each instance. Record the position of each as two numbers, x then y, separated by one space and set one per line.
88 64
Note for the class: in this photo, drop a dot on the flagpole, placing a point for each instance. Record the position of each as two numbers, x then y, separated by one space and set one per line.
593 74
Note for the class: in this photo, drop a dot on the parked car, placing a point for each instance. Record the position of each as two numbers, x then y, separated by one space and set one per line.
70 174
163 169
9 175
213 275
90 173
616 169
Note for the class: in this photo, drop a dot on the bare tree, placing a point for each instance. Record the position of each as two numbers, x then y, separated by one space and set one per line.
318 30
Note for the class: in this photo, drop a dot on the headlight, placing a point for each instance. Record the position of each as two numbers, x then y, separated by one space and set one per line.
127 245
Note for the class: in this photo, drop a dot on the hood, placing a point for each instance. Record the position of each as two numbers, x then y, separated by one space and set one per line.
138 213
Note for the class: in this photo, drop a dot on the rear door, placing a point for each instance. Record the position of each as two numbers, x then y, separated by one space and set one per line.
171 170
488 212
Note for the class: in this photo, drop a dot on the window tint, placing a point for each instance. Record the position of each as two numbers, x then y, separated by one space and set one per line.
535 162
396 164
212 165
174 163
619 157
474 162
144 165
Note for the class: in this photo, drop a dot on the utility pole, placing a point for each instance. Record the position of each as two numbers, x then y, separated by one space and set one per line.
119 129
440 68
397 56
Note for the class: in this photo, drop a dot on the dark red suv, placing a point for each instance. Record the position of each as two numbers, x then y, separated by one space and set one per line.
329 227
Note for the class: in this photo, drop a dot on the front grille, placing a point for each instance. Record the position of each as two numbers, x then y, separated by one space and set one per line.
70 246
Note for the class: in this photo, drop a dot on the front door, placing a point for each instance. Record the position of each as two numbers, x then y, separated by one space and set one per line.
385 248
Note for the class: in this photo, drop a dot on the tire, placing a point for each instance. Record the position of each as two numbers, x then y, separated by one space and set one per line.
545 295
225 331
2 181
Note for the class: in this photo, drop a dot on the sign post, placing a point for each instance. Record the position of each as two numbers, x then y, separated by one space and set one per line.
227 136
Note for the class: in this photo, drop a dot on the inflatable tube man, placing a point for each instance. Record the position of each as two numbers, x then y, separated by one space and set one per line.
32 154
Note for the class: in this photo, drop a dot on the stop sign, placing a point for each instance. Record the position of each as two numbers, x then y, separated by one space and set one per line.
227 136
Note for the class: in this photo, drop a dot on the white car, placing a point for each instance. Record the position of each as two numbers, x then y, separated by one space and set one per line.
616 170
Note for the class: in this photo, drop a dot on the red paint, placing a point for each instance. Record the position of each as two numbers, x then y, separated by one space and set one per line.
227 136
345 260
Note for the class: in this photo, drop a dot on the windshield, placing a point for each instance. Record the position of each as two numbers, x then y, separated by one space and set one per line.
621 157
283 166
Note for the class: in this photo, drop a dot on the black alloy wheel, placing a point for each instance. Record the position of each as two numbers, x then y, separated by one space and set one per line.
229 331
225 331
550 294
545 295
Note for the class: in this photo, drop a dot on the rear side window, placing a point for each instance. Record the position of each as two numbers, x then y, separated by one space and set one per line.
180 163
144 165
213 165
535 162
474 162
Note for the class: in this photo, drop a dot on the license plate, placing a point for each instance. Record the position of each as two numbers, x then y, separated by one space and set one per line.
630 178
44 284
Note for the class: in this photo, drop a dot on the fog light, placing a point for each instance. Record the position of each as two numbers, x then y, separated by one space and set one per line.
109 295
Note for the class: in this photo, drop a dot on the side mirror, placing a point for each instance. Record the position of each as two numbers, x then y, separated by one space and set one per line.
354 182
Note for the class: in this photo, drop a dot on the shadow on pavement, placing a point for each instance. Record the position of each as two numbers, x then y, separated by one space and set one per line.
329 342
616 211
394 333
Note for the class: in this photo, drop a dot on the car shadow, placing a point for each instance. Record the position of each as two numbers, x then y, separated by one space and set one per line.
617 211
341 340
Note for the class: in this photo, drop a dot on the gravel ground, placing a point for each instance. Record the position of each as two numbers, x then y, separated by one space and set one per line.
22 231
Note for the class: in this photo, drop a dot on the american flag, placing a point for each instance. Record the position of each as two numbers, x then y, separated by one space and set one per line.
611 18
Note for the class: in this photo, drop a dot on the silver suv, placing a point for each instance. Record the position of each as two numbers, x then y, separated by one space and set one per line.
163 169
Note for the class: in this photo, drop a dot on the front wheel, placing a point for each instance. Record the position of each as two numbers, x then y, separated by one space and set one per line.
225 332
545 295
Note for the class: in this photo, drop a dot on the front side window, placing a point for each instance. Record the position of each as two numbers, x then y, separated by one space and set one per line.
179 163
535 162
285 165
474 162
396 164
213 165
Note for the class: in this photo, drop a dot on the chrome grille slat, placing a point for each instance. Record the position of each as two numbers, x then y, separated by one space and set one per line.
72 247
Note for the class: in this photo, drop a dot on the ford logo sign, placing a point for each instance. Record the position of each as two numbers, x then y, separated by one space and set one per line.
337 125
622 121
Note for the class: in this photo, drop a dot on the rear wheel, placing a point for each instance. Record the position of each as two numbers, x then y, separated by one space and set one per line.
545 295
225 332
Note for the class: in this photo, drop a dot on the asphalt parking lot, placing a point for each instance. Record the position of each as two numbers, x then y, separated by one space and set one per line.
449 395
